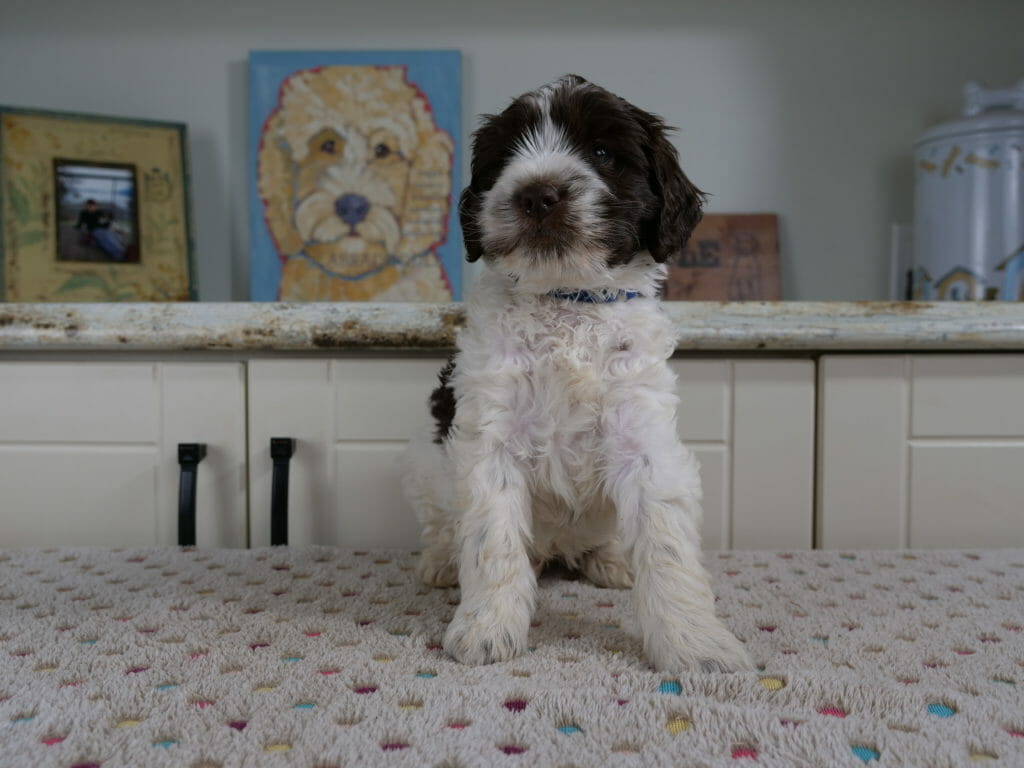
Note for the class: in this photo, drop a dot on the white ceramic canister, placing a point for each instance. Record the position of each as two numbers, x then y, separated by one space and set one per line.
969 201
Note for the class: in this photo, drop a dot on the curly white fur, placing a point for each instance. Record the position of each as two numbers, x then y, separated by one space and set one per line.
564 446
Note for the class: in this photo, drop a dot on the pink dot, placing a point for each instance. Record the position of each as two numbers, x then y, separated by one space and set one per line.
136 670
52 740
832 712
238 725
622 702
512 749
457 726
312 634
739 752
515 705
365 689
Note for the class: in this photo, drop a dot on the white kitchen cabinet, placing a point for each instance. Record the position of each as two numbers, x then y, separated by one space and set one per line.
88 452
750 422
921 451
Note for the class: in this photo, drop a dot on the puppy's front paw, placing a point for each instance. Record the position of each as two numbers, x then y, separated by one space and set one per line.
481 636
714 649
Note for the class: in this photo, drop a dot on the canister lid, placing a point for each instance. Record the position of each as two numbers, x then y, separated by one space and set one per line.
985 111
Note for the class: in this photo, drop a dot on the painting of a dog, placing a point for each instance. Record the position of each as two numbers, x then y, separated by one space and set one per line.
354 178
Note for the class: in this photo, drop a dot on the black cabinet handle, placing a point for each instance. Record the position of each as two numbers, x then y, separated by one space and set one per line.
189 456
281 450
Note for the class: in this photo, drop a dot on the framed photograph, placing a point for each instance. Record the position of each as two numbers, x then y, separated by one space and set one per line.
354 163
93 209
730 257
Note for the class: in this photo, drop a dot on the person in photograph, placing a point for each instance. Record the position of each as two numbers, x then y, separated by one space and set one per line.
96 222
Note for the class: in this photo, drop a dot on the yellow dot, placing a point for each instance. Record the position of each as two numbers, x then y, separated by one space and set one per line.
128 723
410 705
383 659
264 688
773 683
279 747
678 725
982 756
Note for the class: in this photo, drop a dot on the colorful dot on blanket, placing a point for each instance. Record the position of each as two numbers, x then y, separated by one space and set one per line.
832 711
866 754
941 710
394 746
569 728
515 705
670 687
677 725
277 747
979 756
742 751
512 749
166 743
773 683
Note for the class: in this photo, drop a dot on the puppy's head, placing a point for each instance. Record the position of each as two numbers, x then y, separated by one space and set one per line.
570 181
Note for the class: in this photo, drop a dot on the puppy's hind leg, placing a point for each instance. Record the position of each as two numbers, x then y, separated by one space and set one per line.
426 484
608 566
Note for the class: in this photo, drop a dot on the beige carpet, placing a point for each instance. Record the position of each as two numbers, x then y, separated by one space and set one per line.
316 657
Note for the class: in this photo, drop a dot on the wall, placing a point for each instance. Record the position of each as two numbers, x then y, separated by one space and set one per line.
804 108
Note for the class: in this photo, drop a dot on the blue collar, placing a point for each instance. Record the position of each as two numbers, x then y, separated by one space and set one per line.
594 297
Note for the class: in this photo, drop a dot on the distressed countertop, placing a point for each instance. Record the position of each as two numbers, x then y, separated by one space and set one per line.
318 327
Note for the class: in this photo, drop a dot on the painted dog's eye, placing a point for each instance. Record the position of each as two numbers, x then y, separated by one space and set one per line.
381 151
329 147
601 154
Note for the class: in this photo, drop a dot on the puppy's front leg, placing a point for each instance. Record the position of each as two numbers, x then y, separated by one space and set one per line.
655 485
498 584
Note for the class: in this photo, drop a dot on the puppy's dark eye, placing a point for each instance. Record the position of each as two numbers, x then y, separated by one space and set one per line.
329 147
601 154
381 151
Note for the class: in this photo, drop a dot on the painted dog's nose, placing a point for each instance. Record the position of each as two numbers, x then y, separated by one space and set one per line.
351 208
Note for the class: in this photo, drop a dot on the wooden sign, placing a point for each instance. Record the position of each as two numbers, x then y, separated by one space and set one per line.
730 257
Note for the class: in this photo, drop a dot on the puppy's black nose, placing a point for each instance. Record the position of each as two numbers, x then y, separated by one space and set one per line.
538 200
352 209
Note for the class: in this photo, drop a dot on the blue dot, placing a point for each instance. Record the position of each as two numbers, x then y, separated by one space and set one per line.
569 729
305 705
426 674
941 710
866 754
670 686
165 744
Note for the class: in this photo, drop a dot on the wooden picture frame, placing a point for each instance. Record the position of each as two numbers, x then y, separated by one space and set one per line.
93 208
730 257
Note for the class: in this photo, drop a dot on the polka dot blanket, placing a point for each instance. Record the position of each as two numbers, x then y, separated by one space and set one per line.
317 657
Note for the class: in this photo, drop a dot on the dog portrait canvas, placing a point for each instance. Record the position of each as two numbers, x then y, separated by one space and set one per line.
354 158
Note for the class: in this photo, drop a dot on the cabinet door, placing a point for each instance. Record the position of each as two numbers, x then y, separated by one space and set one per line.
88 452
751 424
922 451
351 419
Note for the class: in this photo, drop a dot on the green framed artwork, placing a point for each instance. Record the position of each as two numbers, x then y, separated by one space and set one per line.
93 208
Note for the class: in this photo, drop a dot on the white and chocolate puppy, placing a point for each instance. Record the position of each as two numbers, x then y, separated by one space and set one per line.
556 435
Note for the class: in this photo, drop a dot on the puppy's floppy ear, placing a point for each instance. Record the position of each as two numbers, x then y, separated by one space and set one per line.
680 203
274 181
469 211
